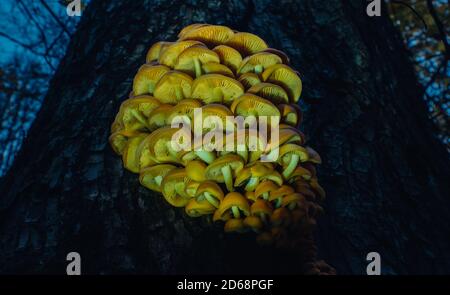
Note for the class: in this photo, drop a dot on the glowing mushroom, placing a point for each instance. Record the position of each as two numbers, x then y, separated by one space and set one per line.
158 117
130 151
290 155
265 189
229 56
211 192
276 197
248 80
262 209
209 34
284 76
258 62
174 186
280 53
216 68
151 177
134 112
234 225
253 105
173 87
235 204
119 139
184 110
216 88
224 169
147 77
254 223
170 54
195 208
247 43
191 60
154 52
272 92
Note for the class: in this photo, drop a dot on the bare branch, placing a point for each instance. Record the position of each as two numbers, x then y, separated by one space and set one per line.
55 17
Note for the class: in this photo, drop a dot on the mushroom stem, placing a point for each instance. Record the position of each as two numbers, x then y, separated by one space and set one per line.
235 211
292 165
228 177
140 118
258 69
198 68
252 183
158 180
265 196
243 154
213 201
206 156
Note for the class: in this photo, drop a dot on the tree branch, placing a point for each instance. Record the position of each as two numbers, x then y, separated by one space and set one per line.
55 17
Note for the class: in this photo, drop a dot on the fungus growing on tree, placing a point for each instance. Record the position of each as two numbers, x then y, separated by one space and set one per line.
223 74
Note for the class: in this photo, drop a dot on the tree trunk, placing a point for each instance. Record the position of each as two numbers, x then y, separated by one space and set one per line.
384 172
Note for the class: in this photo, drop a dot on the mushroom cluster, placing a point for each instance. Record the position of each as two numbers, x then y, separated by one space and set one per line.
223 73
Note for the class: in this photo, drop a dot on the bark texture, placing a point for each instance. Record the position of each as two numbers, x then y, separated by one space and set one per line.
385 175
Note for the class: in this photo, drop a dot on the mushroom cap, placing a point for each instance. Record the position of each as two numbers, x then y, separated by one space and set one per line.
125 119
288 149
196 170
274 176
216 68
253 105
119 139
230 200
216 110
170 54
313 156
284 76
305 189
282 191
290 114
234 225
212 88
286 135
247 43
296 198
154 52
210 187
158 147
158 117
261 207
147 77
261 59
301 172
242 177
265 238
186 60
173 87
259 169
186 108
254 223
174 186
249 79
209 34
213 171
151 177
189 28
271 92
265 187
130 151
195 208
280 53
228 56
250 195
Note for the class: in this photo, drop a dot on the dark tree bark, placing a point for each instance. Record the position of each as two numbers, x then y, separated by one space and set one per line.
385 174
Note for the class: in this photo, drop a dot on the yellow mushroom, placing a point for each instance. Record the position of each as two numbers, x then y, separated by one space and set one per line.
229 56
158 117
262 209
170 54
216 68
195 208
284 76
154 52
173 87
290 155
209 34
174 186
234 225
211 192
224 169
280 53
247 43
248 80
190 27
258 62
130 151
254 223
151 177
213 88
253 105
184 110
290 114
196 170
147 77
265 189
119 139
271 92
134 112
193 58
235 204
276 197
